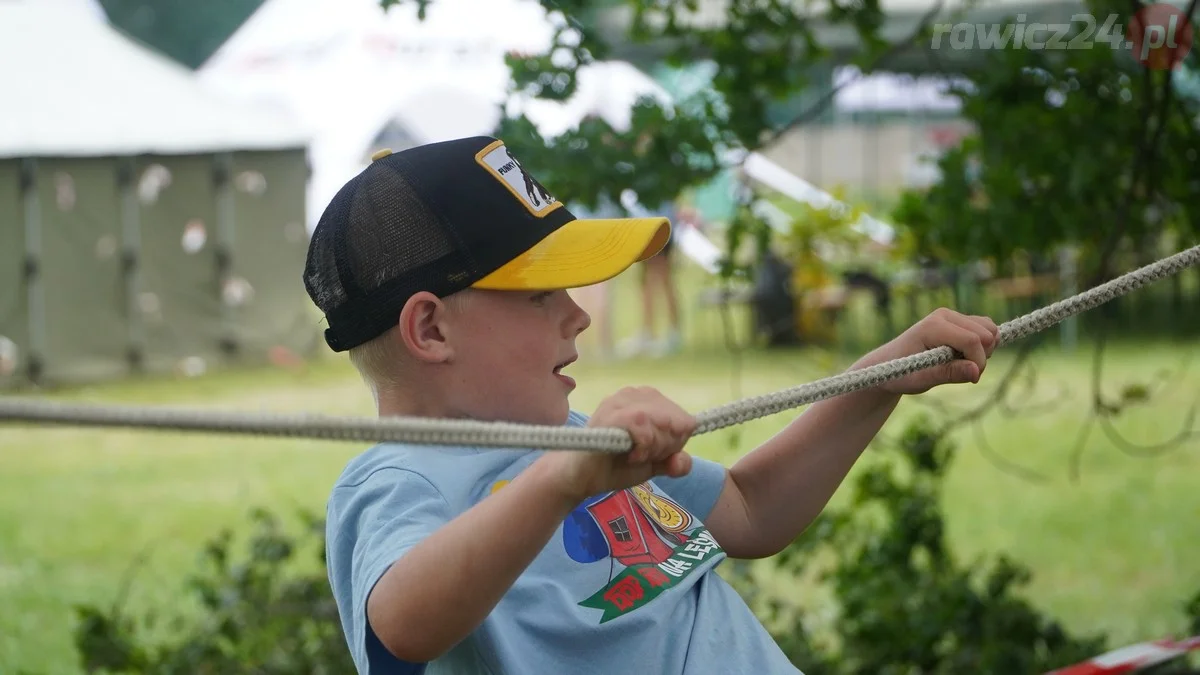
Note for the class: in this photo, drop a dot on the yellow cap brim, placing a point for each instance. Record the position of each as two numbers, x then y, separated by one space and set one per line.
581 253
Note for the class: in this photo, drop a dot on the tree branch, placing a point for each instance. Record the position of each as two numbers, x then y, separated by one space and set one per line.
1142 162
1150 450
998 461
1103 411
1024 351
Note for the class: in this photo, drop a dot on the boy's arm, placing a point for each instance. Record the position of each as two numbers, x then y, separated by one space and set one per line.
465 567
775 492
442 587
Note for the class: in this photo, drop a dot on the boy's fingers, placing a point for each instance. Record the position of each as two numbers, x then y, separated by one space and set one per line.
674 466
976 325
964 371
668 442
991 330
683 425
643 442
967 337
975 350
987 329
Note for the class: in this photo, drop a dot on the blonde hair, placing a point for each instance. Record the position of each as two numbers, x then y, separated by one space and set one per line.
381 361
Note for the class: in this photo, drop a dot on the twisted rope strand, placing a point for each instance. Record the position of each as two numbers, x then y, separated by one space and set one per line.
472 433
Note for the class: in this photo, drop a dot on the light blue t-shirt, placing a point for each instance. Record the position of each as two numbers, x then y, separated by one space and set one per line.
626 585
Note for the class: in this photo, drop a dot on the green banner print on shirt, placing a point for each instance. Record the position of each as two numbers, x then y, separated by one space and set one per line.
638 585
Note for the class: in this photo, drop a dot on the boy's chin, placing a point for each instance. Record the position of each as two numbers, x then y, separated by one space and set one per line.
554 415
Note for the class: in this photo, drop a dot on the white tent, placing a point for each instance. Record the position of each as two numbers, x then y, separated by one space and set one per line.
348 70
150 221
351 70
894 92
73 87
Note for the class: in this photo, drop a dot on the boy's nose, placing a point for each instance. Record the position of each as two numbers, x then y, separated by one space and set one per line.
578 320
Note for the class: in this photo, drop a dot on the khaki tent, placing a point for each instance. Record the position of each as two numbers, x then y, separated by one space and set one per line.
146 224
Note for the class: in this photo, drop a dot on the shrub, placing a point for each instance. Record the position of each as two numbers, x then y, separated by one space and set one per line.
897 601
263 614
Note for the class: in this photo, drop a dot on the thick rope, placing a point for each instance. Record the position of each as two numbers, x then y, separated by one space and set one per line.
424 431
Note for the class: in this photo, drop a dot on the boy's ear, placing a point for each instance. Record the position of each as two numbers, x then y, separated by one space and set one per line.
421 328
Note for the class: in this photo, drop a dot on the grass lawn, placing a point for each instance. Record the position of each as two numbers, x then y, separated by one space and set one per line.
81 511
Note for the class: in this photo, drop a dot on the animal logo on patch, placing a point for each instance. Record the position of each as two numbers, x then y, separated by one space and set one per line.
498 162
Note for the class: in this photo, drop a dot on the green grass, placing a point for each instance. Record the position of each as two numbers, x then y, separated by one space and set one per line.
83 511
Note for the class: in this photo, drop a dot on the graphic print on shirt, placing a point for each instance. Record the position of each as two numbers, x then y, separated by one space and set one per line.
654 539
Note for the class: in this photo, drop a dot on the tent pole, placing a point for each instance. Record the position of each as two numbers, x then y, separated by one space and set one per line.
34 287
223 184
131 246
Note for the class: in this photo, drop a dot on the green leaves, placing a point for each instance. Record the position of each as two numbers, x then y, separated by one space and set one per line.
1071 147
898 601
262 612
761 50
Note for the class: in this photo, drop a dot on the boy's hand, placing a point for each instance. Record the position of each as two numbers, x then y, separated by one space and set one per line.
659 428
975 337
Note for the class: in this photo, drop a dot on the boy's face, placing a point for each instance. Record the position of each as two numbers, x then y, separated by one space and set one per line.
508 350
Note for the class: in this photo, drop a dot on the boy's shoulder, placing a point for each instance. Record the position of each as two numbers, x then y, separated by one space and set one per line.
454 471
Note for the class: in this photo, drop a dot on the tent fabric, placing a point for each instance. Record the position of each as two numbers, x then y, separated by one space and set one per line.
183 309
170 220
74 86
13 313
80 268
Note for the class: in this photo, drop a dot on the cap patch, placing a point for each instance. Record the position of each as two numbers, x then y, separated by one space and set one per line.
508 170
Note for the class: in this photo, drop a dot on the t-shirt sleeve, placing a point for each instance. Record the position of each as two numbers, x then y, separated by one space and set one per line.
699 489
370 525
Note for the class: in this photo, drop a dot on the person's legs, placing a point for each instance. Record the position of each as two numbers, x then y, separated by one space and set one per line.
605 293
672 295
657 278
666 282
650 274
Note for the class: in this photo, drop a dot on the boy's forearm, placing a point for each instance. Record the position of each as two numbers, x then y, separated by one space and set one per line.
444 587
786 482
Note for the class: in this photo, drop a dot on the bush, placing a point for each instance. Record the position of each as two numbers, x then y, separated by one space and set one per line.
259 615
898 602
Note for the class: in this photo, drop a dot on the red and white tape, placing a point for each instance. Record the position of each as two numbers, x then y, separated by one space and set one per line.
1132 658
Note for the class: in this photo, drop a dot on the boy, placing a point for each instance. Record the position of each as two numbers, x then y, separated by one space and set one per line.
441 270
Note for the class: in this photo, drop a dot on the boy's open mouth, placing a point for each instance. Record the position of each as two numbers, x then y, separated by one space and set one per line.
564 364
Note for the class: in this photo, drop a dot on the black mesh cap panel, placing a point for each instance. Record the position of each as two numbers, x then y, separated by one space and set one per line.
426 219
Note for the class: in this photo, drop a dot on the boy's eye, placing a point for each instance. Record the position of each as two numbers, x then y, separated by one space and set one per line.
541 297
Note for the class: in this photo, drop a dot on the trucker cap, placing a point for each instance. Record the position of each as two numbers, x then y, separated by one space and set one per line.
452 215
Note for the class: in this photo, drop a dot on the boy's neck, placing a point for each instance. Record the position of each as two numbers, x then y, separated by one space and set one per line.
407 404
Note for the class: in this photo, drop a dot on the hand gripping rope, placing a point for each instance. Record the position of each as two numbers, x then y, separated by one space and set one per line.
510 435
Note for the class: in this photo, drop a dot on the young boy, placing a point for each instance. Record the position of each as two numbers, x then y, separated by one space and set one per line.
441 270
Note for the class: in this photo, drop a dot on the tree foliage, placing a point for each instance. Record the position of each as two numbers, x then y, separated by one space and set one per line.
761 51
1072 146
1079 147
